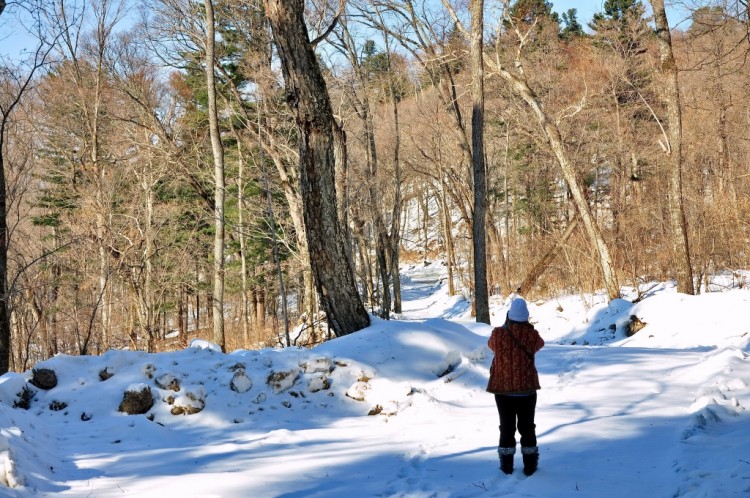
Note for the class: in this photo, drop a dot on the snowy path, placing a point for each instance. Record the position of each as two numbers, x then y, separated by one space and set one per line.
610 421
594 441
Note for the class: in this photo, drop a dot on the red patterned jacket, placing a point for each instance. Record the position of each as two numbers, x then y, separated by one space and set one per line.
512 371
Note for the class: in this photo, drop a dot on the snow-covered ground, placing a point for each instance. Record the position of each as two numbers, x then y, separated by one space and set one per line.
399 409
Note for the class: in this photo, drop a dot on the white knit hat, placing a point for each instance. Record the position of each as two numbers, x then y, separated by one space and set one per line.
518 312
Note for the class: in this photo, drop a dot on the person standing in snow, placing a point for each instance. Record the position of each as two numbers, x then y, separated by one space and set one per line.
514 381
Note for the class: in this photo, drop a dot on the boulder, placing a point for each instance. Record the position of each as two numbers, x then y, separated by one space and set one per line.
24 398
240 382
106 373
282 380
168 382
634 325
137 400
318 383
190 402
43 378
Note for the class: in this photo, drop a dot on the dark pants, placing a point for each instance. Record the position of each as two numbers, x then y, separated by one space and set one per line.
518 409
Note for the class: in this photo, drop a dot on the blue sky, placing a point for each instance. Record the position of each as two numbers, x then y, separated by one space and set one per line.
586 8
13 37
676 14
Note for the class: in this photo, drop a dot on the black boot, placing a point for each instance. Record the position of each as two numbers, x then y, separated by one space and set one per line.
506 463
530 459
506 459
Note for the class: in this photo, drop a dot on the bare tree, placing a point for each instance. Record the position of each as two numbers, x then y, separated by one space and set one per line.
307 95
362 104
481 297
395 242
218 153
678 222
88 77
430 39
15 82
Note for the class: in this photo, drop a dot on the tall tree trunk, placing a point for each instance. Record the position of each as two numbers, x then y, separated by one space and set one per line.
363 111
520 87
505 245
394 239
678 221
446 222
5 326
218 153
342 185
307 95
481 297
148 258
244 320
382 240
101 222
275 242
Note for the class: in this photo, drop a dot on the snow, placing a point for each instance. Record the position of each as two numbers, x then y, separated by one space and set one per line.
399 409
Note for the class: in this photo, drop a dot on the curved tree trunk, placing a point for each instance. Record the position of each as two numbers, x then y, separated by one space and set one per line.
307 95
520 87
552 134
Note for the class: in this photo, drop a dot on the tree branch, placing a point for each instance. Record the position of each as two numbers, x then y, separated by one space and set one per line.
328 30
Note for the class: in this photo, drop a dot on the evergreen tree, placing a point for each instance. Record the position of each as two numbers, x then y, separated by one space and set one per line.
572 28
622 27
530 11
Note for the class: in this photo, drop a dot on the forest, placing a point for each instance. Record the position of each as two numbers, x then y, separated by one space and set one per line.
255 172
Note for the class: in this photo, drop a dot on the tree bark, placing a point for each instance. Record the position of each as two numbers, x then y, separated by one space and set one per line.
307 95
5 326
446 223
481 297
218 153
678 222
342 185
244 294
395 236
